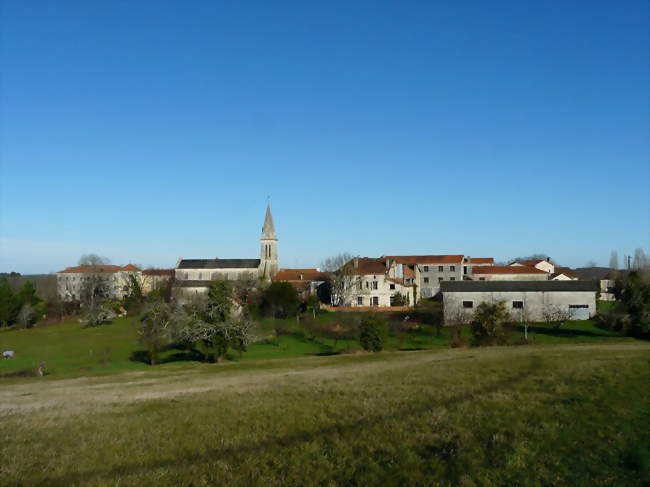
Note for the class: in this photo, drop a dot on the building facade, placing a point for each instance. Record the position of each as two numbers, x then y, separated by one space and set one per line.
73 282
524 300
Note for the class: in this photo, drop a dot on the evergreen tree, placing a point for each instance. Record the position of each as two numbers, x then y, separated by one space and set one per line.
27 294
9 304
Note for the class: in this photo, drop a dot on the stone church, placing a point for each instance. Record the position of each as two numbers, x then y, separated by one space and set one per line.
193 276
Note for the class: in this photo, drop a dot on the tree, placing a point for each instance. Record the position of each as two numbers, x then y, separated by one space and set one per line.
373 333
398 299
613 260
529 257
640 260
9 304
95 287
213 324
26 316
488 323
313 304
280 300
591 263
155 329
554 316
27 294
341 278
631 312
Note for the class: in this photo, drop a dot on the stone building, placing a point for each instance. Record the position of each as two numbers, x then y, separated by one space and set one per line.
305 281
194 276
154 278
114 280
525 300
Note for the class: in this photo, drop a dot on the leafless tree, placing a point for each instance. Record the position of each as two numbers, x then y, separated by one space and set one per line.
555 316
613 260
640 261
591 263
342 279
94 285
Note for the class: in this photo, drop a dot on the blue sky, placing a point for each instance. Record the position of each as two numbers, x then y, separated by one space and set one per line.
146 131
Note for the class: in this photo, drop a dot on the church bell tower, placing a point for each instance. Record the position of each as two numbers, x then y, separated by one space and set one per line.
268 247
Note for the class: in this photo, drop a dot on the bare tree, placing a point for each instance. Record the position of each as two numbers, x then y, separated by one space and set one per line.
640 260
613 260
342 278
591 263
95 283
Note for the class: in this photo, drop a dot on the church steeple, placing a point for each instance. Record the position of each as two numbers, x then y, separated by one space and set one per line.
268 247
268 230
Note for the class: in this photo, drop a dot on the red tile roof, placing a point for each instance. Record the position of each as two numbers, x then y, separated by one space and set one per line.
300 275
82 269
530 263
566 271
426 259
482 260
506 269
367 265
158 272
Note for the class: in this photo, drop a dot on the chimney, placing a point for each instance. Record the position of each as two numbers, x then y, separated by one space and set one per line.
387 263
355 262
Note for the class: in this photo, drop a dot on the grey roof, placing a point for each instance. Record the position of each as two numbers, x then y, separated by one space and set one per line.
268 230
519 286
219 264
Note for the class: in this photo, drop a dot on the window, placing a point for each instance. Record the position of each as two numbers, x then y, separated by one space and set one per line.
481 278
452 278
426 268
426 280
360 285
464 269
578 306
392 286
440 268
185 276
440 279
452 268
359 300
200 275
367 285
375 300
375 285
518 304
468 304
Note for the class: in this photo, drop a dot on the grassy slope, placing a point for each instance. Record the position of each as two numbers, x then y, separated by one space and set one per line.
561 415
69 349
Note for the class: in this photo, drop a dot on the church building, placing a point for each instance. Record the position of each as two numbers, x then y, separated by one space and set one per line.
194 276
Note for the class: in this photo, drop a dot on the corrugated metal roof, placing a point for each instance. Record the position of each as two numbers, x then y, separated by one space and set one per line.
519 286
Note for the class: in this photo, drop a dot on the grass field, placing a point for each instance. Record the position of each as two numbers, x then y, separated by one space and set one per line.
70 350
529 415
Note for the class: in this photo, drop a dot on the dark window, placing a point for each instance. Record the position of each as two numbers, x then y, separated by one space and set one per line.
464 269
426 280
426 268
578 306
468 304
392 286
375 284
518 304
360 300
452 268
375 300
440 279
452 278
481 278
440 268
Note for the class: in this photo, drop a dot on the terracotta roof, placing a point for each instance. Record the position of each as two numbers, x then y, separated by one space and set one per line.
426 259
566 271
481 260
530 263
408 272
367 265
83 269
158 272
506 269
300 275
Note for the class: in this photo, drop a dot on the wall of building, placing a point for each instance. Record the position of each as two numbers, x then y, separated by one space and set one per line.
363 288
434 275
510 277
535 302
239 274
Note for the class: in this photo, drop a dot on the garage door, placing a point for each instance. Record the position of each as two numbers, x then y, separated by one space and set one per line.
579 311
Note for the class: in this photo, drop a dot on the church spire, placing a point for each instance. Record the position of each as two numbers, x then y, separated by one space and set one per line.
268 230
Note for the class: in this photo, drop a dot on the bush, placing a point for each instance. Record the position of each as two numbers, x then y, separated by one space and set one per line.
280 300
631 313
373 333
488 324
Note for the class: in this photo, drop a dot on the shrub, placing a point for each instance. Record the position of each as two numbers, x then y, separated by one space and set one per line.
373 333
631 314
488 324
280 300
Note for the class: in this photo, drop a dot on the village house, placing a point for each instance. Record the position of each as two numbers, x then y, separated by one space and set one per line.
542 264
114 280
194 276
152 279
525 300
376 282
305 281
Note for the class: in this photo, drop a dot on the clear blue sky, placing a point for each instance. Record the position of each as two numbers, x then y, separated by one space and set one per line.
146 131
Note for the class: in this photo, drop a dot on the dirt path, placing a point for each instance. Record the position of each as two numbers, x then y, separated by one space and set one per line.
61 398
